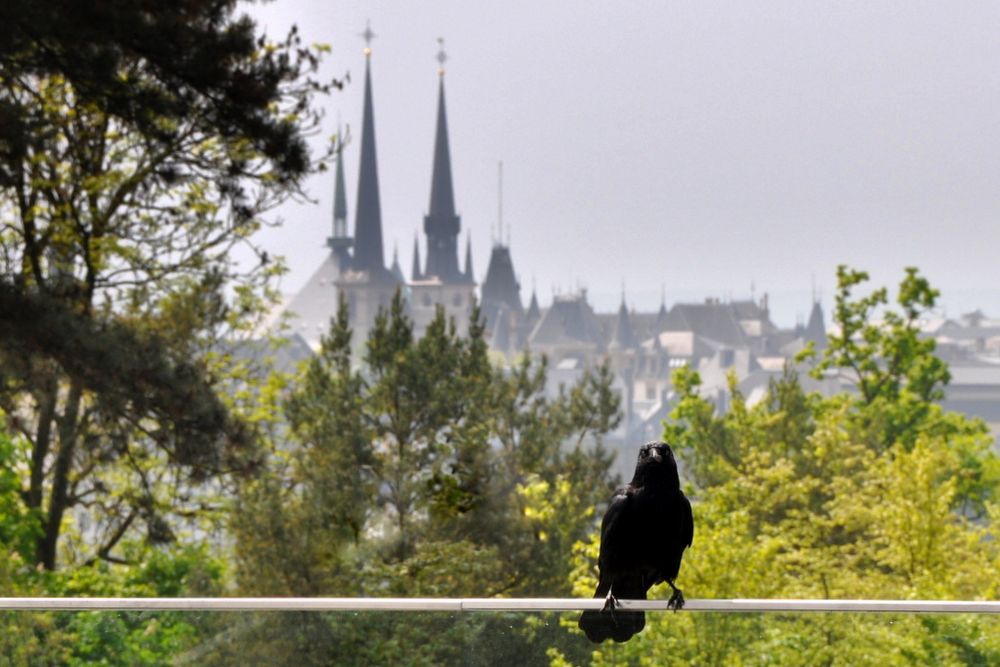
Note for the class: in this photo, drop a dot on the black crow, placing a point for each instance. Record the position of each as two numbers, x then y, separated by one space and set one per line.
643 536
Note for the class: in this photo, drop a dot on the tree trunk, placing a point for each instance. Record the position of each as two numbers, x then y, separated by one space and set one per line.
43 441
60 476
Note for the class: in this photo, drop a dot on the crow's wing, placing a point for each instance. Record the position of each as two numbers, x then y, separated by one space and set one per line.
687 519
611 525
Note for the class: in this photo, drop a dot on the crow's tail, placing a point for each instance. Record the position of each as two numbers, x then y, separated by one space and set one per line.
617 624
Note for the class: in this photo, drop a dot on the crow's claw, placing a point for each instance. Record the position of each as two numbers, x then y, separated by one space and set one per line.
610 602
676 600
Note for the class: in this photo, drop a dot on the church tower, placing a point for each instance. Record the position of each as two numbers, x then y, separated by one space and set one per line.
442 282
368 285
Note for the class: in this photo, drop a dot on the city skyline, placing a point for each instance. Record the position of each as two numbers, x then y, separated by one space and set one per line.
810 137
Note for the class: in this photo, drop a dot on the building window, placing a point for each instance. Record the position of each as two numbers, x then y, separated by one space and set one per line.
427 300
650 391
457 300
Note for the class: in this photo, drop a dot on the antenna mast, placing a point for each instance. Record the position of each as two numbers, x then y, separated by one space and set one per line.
500 202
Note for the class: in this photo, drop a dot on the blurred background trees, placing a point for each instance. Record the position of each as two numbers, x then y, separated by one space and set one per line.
426 473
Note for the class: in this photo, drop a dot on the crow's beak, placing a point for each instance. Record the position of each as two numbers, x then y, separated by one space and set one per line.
656 456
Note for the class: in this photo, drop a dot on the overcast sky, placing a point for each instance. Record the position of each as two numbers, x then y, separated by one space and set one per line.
700 146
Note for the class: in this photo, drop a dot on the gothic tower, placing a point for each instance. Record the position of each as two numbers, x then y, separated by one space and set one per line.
442 282
368 285
441 224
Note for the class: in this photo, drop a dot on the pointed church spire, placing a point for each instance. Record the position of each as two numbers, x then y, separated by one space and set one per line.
339 191
396 270
441 224
468 259
815 330
661 315
368 254
340 242
623 338
415 270
534 312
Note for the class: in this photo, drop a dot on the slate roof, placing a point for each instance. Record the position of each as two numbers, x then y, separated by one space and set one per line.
714 320
569 321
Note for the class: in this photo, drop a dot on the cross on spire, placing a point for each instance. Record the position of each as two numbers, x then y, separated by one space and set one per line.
368 36
442 57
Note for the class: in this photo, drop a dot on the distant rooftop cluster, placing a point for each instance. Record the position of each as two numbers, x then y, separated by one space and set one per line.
716 337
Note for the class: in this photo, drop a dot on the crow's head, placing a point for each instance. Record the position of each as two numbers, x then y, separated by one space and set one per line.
656 452
656 459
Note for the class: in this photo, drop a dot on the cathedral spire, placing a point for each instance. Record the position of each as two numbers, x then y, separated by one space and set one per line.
534 311
396 270
339 194
441 224
415 271
368 254
340 241
468 259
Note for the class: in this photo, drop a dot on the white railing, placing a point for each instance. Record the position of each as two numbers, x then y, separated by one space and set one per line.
491 604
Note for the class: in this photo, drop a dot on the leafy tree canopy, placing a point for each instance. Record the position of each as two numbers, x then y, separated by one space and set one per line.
140 144
156 67
865 495
425 472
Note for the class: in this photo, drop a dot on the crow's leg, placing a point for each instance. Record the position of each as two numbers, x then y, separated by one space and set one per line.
610 602
677 599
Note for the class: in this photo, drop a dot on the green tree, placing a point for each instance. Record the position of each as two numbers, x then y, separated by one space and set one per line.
156 69
866 495
140 147
897 377
425 472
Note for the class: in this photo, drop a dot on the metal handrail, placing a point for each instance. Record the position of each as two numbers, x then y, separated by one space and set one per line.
491 604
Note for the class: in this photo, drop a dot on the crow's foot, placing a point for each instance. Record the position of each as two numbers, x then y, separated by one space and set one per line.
676 600
610 602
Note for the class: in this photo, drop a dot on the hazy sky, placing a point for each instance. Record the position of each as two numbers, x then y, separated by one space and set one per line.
701 146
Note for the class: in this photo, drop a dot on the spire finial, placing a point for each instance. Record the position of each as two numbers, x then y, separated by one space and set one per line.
442 57
368 36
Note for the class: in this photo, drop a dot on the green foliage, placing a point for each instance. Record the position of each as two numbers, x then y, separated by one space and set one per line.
157 70
109 638
426 472
128 175
878 494
896 374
